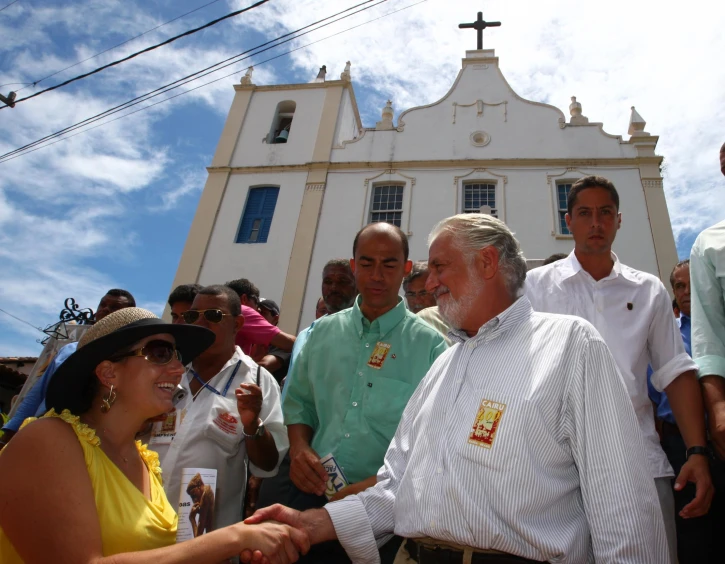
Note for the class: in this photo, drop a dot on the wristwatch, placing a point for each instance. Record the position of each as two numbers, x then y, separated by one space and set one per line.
703 450
258 434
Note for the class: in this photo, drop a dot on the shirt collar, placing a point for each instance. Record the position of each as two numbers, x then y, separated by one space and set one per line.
385 323
509 318
570 266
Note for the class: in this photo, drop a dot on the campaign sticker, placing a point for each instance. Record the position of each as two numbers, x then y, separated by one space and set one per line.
486 423
336 479
377 358
227 423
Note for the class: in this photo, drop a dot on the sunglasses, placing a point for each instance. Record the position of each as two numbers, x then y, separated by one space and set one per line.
156 352
211 315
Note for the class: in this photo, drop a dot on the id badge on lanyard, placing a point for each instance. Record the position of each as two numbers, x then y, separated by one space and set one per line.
163 432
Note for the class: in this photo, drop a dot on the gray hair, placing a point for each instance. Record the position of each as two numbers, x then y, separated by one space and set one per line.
476 231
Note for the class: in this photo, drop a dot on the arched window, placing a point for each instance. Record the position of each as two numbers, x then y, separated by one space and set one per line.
282 122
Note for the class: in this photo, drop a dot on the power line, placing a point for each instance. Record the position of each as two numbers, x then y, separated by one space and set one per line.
8 5
15 316
199 74
35 83
136 54
216 79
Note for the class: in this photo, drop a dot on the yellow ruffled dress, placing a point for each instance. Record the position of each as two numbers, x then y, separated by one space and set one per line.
129 521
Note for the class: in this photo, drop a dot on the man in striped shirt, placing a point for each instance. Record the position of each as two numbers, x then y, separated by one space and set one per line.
521 443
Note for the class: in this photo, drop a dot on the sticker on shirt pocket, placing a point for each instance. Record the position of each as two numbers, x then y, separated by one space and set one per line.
377 358
486 423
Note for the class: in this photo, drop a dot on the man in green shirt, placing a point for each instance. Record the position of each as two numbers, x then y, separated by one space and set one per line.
352 380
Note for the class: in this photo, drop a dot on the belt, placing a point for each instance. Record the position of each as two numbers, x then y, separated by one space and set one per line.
426 553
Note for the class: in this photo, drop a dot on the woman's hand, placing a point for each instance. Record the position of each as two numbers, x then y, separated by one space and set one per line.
272 543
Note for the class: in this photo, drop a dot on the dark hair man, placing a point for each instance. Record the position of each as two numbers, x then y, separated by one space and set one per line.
554 258
180 300
348 386
231 411
520 440
274 359
414 287
33 404
256 329
631 309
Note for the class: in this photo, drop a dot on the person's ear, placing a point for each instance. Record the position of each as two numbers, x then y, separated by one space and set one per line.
106 374
408 266
352 265
487 262
239 322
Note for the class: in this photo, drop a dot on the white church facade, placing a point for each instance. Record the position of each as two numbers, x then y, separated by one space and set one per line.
295 176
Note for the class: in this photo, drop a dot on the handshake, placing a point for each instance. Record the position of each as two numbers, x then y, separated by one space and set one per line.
278 534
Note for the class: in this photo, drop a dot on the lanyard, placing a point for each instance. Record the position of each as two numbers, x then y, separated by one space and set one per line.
212 388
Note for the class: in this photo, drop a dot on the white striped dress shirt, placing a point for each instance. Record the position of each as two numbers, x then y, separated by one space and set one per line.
633 313
565 478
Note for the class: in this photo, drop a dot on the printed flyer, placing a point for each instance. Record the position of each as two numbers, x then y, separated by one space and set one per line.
196 503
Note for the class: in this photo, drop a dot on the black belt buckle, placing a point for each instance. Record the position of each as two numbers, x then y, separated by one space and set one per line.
435 555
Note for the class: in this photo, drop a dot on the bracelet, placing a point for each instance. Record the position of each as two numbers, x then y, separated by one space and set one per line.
703 450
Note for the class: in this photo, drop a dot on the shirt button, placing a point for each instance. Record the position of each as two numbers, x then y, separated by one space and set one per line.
440 470
367 345
354 404
347 435
432 523
359 374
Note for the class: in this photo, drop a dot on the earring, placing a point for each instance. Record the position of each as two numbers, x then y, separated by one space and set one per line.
108 400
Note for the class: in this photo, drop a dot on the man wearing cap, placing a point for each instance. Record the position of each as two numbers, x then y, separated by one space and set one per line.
275 360
33 404
231 412
257 330
350 383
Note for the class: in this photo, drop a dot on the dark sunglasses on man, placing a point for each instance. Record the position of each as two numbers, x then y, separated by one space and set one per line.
156 352
211 315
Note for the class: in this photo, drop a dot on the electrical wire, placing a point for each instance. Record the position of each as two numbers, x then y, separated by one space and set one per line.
216 80
35 83
189 78
8 5
21 320
137 53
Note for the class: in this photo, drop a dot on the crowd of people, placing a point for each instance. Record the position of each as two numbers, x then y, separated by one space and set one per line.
573 413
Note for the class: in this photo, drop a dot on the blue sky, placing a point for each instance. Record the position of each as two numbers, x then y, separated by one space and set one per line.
112 207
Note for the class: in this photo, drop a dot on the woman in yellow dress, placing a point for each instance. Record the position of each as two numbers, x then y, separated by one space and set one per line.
76 485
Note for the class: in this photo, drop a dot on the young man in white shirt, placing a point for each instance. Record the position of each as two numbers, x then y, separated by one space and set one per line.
632 311
231 412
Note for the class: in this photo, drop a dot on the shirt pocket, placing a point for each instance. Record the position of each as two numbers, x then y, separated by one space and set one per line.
223 425
383 403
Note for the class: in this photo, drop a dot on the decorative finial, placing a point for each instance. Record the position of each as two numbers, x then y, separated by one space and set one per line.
321 74
247 78
575 109
346 73
387 115
636 125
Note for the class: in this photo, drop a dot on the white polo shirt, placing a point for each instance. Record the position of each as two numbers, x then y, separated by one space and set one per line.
206 436
633 312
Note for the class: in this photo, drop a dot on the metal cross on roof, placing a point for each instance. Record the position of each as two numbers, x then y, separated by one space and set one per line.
479 25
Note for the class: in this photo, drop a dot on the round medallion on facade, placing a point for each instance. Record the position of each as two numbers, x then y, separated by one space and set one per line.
480 138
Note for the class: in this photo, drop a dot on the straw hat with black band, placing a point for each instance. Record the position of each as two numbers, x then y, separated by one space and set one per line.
74 384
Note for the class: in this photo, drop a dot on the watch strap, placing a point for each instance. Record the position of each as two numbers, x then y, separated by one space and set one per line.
703 450
257 434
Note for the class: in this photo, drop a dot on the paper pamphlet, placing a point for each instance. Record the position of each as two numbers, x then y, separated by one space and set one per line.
336 478
196 503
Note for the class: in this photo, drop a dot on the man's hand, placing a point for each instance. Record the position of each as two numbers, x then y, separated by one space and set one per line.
316 523
306 471
273 543
696 470
249 404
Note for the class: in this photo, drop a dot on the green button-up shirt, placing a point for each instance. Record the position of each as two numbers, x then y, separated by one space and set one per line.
352 380
707 280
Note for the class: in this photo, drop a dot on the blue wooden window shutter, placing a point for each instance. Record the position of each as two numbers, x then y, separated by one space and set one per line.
258 213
